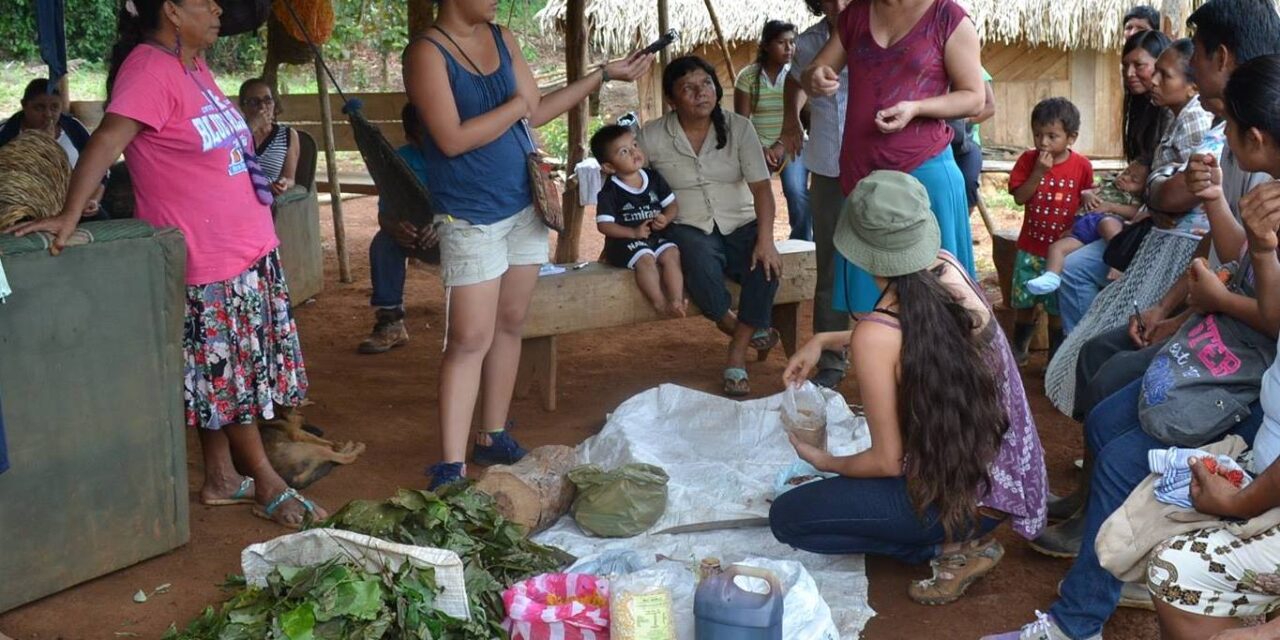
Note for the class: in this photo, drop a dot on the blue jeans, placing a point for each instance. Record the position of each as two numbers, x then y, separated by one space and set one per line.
860 515
386 271
1089 592
708 258
1084 274
795 188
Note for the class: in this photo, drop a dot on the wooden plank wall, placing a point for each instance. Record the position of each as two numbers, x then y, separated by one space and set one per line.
1023 76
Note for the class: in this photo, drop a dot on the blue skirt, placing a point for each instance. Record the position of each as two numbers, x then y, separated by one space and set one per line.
855 291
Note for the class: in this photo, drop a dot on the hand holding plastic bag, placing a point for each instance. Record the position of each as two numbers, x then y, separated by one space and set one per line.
804 414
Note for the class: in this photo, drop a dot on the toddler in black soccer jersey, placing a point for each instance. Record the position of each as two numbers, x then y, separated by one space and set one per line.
634 206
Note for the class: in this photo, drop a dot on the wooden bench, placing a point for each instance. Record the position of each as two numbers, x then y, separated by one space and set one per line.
599 296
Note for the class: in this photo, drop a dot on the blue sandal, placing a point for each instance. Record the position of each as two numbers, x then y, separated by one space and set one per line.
268 512
736 383
243 495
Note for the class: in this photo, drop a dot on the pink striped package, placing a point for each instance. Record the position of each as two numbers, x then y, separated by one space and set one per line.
558 606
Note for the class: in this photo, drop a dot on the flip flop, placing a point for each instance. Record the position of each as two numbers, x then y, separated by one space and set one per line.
736 383
268 512
765 339
243 495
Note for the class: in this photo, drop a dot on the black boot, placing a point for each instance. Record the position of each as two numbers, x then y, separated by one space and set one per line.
1062 540
1063 508
1022 334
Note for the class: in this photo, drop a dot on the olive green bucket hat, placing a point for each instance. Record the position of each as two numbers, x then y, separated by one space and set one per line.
886 227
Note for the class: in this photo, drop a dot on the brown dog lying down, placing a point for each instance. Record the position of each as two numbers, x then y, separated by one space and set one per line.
298 456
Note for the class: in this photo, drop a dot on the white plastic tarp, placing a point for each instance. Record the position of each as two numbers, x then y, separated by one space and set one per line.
722 457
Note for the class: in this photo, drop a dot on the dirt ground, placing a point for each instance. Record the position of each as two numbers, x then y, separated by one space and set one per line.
388 402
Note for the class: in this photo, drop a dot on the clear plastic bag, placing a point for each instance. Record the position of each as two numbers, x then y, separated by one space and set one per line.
641 607
804 414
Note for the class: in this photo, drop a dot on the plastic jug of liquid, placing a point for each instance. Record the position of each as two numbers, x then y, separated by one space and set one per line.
723 610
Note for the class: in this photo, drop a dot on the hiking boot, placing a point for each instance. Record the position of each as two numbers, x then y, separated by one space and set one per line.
829 378
953 573
1044 628
444 474
1136 595
502 449
1062 540
388 332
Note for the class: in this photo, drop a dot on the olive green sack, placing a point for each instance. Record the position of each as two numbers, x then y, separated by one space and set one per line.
621 503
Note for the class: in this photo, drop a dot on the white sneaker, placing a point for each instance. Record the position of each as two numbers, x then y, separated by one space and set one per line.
1044 628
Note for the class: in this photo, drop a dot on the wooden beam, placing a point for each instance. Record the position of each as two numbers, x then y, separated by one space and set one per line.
331 165
575 68
724 45
664 24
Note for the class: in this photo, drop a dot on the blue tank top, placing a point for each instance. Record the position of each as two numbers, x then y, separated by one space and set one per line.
489 183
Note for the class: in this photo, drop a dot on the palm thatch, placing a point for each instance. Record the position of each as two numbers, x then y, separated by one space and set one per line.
618 26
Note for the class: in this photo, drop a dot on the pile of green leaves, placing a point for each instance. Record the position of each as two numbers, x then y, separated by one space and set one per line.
494 551
334 600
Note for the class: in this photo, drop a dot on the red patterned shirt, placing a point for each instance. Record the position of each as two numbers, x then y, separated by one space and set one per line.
1052 210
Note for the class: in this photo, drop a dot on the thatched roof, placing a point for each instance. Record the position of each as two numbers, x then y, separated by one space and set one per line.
620 25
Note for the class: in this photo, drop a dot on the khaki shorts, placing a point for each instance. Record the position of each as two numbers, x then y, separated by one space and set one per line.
1213 573
475 253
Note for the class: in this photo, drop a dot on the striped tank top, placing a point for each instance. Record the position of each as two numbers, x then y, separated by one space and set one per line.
272 152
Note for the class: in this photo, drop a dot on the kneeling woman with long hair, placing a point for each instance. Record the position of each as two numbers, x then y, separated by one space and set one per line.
954 449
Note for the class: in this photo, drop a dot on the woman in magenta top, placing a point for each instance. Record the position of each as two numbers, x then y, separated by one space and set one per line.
191 158
913 64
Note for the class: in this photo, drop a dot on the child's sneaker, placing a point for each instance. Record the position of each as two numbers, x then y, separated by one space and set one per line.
444 474
1045 283
502 449
1044 628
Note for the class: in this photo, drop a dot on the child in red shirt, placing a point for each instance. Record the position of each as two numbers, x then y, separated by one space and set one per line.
1048 181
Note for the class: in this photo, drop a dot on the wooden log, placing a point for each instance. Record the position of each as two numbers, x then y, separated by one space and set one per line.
536 491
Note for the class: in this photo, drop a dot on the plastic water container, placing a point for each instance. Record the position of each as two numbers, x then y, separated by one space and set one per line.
725 611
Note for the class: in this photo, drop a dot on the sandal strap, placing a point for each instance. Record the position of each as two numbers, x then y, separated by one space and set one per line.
246 485
736 374
285 496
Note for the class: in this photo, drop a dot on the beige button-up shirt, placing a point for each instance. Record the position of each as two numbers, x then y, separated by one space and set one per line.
711 186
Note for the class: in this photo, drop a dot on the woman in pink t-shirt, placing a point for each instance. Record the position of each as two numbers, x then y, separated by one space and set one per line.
913 65
190 155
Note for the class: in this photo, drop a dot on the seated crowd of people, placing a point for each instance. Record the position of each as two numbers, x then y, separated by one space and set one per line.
884 188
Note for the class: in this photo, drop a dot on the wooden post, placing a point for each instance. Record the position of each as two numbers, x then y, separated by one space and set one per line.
575 69
567 243
331 165
724 46
664 24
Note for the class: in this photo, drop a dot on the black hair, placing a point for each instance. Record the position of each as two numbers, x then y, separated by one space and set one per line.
412 123
39 87
1185 49
277 108
132 31
1142 121
952 420
773 29
681 67
815 6
1144 12
605 136
1252 96
1051 110
1247 28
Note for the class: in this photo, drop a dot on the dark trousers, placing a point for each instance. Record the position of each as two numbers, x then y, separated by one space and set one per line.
860 515
1107 363
708 258
970 165
386 271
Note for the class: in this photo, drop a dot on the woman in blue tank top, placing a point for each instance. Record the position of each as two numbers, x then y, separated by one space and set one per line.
475 92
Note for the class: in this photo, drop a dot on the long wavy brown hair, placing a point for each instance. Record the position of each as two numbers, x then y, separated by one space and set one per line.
951 416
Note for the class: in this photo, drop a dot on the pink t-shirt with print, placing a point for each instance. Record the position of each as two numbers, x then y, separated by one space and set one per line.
188 166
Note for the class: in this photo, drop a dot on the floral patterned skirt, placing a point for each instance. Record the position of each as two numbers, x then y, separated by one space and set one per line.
241 350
